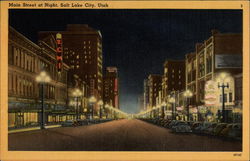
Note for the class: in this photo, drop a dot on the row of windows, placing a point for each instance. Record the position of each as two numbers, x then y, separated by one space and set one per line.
22 59
21 85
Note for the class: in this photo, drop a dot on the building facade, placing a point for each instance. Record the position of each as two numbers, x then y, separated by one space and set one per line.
154 85
173 78
82 51
111 87
221 53
25 61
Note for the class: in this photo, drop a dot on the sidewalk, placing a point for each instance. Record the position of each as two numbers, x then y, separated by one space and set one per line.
31 128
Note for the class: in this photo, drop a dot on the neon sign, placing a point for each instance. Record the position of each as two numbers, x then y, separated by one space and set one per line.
59 52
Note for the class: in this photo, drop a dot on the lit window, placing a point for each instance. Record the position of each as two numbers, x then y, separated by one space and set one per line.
77 57
86 61
77 66
173 71
84 42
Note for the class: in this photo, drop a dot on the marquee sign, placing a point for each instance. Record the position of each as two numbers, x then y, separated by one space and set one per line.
59 51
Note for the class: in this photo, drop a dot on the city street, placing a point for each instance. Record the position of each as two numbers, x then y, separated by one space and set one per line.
119 135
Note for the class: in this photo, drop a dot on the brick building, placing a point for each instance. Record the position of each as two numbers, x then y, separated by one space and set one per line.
111 87
25 61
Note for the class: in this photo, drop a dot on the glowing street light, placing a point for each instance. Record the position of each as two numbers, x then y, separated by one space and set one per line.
222 85
164 104
92 101
188 94
77 93
43 78
172 101
100 104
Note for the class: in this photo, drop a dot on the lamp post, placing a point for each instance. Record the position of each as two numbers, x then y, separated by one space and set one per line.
172 101
42 78
77 93
188 94
106 110
100 103
223 86
92 101
154 108
163 109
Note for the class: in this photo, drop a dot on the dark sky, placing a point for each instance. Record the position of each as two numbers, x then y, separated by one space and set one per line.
136 41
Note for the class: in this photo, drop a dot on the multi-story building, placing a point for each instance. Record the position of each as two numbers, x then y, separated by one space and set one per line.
140 103
221 53
82 51
25 61
111 87
145 94
173 78
154 85
76 83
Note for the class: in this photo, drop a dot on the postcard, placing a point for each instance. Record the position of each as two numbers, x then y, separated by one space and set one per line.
124 80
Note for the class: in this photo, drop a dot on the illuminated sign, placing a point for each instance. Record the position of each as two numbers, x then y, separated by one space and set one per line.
228 61
179 108
59 51
210 93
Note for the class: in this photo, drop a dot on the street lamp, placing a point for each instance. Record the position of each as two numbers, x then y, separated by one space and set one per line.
77 93
100 104
223 86
172 101
154 111
163 109
92 101
106 110
188 94
42 78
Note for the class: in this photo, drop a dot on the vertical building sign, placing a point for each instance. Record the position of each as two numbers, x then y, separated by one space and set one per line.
59 51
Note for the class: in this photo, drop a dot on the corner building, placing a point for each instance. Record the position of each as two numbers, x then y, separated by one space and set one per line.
25 61
82 51
220 53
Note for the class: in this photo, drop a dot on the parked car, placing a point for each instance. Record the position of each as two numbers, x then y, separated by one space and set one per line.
225 131
181 127
201 127
68 123
172 123
194 125
219 128
235 132
82 122
210 129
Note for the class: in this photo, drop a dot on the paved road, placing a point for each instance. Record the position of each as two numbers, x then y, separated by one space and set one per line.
120 135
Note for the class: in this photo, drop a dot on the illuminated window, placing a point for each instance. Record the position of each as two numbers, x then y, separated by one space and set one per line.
86 61
84 42
84 47
77 66
77 57
173 71
89 42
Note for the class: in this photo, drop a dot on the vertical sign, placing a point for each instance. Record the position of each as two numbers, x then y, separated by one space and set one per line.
59 51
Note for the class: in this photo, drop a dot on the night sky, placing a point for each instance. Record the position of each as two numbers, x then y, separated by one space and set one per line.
137 42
